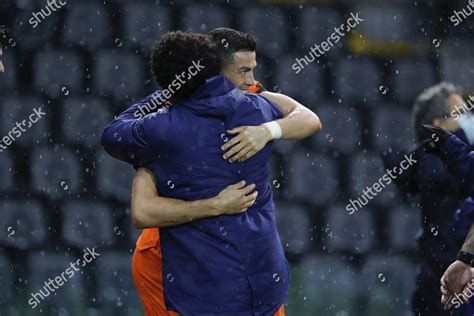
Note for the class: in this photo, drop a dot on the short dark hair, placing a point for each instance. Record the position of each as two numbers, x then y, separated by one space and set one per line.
431 104
3 36
230 41
175 52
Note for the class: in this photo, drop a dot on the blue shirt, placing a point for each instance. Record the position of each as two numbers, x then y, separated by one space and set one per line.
224 265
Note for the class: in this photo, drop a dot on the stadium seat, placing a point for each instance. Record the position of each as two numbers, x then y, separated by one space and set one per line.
22 108
390 282
311 177
114 178
56 172
328 286
118 74
6 279
83 120
392 128
405 225
23 224
256 20
71 295
196 18
358 80
58 72
25 36
294 227
87 25
317 23
144 23
349 232
365 169
388 23
458 71
87 223
291 83
115 287
7 170
405 73
341 131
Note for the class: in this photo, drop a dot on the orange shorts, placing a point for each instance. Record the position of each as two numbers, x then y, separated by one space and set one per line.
147 275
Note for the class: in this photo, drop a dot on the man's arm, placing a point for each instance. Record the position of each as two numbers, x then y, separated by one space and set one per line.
150 210
298 122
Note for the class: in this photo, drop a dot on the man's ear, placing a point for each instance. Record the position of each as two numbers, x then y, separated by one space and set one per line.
437 122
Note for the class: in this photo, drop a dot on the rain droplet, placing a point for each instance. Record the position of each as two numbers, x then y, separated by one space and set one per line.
276 184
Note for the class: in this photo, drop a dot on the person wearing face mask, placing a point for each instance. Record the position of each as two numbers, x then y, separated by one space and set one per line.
440 196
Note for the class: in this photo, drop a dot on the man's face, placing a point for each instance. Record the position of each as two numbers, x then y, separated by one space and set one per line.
240 71
2 69
451 124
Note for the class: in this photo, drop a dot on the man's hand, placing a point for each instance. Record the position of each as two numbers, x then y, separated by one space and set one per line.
433 138
235 198
454 280
248 141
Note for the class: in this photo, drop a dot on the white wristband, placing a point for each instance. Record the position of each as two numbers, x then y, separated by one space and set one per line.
274 129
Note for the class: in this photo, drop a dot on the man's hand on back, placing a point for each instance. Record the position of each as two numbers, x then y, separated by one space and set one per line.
235 198
248 141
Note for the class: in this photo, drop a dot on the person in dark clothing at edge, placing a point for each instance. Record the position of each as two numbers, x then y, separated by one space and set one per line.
440 198
457 281
183 145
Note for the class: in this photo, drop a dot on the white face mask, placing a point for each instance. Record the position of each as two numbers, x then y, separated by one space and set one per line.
467 124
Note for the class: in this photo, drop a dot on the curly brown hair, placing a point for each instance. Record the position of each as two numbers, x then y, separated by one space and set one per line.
175 53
